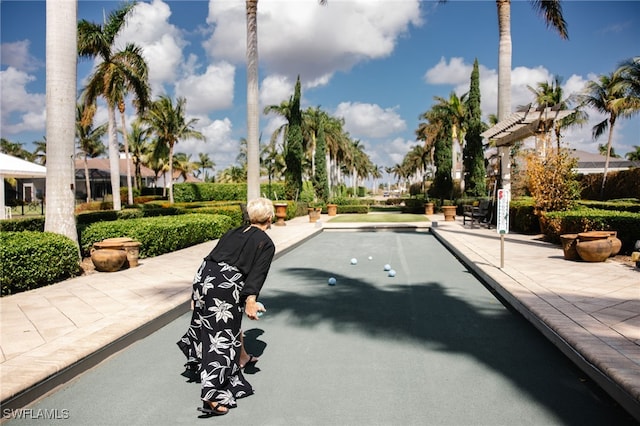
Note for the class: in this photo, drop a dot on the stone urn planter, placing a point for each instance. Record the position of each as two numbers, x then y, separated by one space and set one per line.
428 208
108 260
594 246
281 214
569 246
332 209
130 247
314 214
449 213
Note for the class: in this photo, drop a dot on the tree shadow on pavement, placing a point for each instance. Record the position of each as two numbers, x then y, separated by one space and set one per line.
443 318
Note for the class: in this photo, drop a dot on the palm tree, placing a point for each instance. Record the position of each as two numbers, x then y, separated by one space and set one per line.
630 75
15 149
137 75
205 163
183 164
169 124
551 10
88 139
140 148
61 80
633 155
417 162
158 161
602 149
118 73
551 95
456 108
232 174
608 96
253 166
40 151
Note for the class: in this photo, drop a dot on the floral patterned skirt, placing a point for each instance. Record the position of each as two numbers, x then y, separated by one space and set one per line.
212 343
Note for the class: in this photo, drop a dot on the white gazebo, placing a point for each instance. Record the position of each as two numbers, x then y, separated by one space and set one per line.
13 167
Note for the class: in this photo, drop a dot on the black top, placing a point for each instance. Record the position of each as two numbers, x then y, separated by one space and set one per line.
250 250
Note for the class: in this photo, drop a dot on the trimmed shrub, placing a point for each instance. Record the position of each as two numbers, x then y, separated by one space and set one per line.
32 259
522 216
23 224
626 224
207 191
159 235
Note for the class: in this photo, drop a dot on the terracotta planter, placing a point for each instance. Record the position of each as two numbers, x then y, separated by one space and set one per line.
428 208
332 209
449 213
314 214
616 243
594 250
281 214
108 260
569 243
132 250
612 236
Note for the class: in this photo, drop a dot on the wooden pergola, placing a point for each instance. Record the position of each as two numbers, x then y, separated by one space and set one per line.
525 123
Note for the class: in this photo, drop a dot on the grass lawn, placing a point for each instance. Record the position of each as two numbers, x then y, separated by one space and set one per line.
379 217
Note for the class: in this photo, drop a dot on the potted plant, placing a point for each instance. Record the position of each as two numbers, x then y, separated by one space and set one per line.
315 209
332 209
428 207
281 213
449 211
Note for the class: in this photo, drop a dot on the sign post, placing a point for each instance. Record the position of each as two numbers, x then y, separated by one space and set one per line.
504 196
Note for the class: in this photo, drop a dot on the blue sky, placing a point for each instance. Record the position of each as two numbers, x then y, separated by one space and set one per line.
378 64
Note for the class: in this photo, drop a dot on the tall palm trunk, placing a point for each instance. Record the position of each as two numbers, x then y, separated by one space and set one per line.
114 158
125 138
612 122
253 161
87 181
170 172
61 60
504 83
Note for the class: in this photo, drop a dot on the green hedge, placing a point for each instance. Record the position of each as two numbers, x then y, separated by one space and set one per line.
159 235
522 216
188 192
23 224
32 259
627 205
354 209
626 224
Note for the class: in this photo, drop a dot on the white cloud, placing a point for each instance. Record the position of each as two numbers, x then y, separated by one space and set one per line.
310 40
17 55
162 43
21 111
369 120
210 91
220 144
455 73
391 153
275 89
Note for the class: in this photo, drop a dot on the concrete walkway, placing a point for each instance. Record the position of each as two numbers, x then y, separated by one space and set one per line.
591 311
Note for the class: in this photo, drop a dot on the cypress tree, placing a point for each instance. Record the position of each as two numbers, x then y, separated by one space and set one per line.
473 156
320 180
442 187
293 149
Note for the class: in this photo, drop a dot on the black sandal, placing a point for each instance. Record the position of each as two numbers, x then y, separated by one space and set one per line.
252 360
218 410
